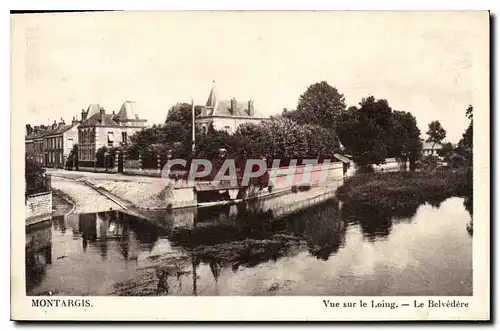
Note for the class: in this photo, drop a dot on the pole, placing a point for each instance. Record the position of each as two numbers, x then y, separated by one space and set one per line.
193 119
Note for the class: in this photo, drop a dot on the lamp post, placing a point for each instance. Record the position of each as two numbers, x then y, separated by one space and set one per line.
193 122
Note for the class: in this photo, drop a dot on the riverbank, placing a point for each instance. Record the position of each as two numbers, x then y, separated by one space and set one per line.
62 204
405 189
85 199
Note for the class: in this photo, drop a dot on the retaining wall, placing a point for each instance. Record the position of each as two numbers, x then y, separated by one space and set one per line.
38 208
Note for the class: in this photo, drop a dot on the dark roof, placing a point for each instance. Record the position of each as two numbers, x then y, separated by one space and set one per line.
59 129
223 109
212 98
95 120
126 112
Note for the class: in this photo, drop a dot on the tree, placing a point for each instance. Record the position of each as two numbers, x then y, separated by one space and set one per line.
446 150
182 113
286 140
465 145
250 140
72 160
406 144
436 133
466 140
365 131
322 143
320 104
34 176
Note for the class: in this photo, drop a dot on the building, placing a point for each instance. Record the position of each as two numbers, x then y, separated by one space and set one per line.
51 145
431 148
58 143
226 114
99 129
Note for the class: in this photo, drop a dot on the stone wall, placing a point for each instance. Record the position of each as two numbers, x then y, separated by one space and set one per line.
318 174
391 165
38 208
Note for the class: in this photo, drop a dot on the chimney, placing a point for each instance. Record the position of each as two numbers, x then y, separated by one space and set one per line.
54 125
84 115
62 122
250 108
233 105
74 121
103 112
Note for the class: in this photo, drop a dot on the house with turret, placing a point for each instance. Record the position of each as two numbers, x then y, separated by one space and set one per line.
99 128
227 114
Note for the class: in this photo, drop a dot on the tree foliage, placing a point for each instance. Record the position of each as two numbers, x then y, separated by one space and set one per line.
373 132
34 176
320 104
436 133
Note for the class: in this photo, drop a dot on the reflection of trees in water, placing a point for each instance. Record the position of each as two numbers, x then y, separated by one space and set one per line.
468 204
322 227
375 223
256 236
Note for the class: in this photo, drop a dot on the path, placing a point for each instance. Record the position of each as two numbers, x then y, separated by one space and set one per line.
99 176
86 199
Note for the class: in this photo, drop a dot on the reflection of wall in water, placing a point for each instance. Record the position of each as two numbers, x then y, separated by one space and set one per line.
87 227
38 252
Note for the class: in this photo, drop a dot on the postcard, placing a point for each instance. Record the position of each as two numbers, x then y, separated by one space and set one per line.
250 166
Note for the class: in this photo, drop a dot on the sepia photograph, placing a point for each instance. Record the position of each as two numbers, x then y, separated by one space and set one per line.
326 155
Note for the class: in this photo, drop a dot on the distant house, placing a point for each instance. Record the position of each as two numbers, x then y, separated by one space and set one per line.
431 148
50 146
227 114
99 129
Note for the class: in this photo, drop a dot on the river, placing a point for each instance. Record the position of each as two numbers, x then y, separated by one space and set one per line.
328 248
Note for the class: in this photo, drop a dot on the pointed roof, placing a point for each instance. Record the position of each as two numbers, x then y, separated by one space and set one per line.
93 109
127 111
212 97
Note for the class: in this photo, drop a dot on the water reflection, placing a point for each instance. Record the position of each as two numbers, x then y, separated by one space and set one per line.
206 250
38 253
87 248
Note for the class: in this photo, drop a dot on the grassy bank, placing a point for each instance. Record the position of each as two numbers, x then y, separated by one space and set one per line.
405 189
61 203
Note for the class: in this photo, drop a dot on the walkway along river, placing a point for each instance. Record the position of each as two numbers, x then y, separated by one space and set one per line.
327 248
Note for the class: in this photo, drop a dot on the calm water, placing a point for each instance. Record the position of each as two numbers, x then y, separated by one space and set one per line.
326 249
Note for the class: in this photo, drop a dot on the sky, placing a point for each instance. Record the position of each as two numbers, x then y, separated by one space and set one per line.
420 62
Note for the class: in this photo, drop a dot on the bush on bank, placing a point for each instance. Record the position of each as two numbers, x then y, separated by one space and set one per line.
404 189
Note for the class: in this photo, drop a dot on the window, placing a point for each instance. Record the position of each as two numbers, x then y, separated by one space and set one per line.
70 143
124 137
111 138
